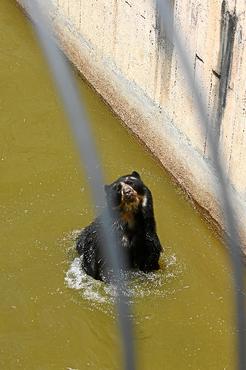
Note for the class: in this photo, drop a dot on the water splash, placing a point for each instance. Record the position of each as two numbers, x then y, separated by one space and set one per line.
164 283
140 285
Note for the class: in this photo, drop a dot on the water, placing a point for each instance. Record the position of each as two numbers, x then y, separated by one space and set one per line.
52 315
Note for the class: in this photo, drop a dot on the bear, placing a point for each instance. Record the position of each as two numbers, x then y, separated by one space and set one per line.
130 204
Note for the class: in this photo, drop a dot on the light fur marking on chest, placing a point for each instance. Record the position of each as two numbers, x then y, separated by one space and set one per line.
144 201
124 241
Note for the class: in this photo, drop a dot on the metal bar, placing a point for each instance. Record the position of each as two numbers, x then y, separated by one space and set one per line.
79 124
232 239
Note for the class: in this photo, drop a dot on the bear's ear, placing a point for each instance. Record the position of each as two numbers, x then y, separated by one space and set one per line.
135 174
106 188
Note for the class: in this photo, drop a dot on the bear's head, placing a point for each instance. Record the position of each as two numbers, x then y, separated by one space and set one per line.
126 194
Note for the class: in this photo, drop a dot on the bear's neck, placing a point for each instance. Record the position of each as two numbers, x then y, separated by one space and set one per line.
128 218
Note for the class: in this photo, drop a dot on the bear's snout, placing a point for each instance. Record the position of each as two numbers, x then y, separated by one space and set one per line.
128 193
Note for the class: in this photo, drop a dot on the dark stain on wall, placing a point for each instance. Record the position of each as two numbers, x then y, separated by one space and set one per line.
227 36
164 51
216 74
162 39
199 58
128 3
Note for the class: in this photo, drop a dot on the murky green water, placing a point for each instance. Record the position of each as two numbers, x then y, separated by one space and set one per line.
52 317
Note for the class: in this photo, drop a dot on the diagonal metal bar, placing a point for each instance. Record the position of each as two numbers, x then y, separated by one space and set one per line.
232 238
79 124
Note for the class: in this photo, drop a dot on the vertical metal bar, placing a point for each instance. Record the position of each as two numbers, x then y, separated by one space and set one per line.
77 117
232 239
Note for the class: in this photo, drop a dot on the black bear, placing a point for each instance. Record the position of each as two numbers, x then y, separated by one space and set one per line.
131 207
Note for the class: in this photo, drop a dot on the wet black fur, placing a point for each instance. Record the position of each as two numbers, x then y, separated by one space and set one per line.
138 239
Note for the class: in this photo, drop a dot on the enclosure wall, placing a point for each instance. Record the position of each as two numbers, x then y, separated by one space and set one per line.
117 46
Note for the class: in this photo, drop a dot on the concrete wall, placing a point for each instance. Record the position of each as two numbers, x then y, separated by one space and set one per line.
117 46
